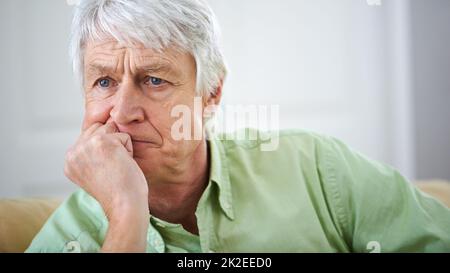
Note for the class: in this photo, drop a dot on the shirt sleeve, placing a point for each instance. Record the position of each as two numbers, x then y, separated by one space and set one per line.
76 226
377 208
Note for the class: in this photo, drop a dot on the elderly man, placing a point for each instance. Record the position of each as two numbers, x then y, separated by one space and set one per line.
145 190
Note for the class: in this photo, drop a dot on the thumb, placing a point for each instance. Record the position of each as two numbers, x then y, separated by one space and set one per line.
125 141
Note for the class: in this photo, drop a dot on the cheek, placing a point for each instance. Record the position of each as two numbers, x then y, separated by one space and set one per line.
161 117
163 121
96 111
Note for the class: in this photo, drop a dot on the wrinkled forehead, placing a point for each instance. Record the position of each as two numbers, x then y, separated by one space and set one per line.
110 53
115 49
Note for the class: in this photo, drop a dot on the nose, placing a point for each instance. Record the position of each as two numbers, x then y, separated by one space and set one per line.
127 107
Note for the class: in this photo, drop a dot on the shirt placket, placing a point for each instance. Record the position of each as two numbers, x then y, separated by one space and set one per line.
155 241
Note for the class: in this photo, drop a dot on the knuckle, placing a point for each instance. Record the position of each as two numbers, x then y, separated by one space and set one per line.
69 161
97 141
67 170
69 157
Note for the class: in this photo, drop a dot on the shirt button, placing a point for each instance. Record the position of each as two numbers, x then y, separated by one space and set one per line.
73 247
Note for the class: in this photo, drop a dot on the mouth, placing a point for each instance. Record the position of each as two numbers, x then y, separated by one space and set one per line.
143 137
139 143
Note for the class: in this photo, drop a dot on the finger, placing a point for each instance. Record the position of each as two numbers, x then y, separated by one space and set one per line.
125 140
91 129
108 128
89 121
85 124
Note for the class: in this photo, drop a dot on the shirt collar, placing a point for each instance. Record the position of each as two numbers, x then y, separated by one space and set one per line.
219 174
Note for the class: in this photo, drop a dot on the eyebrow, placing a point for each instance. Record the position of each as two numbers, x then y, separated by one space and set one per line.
158 67
100 67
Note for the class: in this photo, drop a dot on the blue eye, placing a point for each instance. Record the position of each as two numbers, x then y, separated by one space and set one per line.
156 81
104 83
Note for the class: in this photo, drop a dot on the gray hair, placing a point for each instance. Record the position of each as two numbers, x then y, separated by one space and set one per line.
189 25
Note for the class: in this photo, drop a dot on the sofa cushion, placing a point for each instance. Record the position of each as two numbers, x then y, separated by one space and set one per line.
21 219
439 189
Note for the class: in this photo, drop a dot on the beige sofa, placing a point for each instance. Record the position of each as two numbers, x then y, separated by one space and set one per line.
21 219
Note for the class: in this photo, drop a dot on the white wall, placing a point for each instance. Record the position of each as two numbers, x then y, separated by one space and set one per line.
40 105
431 55
337 67
328 64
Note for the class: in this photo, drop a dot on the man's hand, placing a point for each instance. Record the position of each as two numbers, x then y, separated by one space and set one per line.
101 162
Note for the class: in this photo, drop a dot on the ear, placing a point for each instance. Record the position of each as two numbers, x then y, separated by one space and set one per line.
215 97
211 103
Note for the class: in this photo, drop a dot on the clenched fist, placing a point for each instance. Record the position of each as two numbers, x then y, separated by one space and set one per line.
101 162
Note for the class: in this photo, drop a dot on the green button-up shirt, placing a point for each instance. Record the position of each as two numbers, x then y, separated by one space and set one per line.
311 194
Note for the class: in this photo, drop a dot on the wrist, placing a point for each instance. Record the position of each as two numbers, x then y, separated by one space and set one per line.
127 231
129 209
